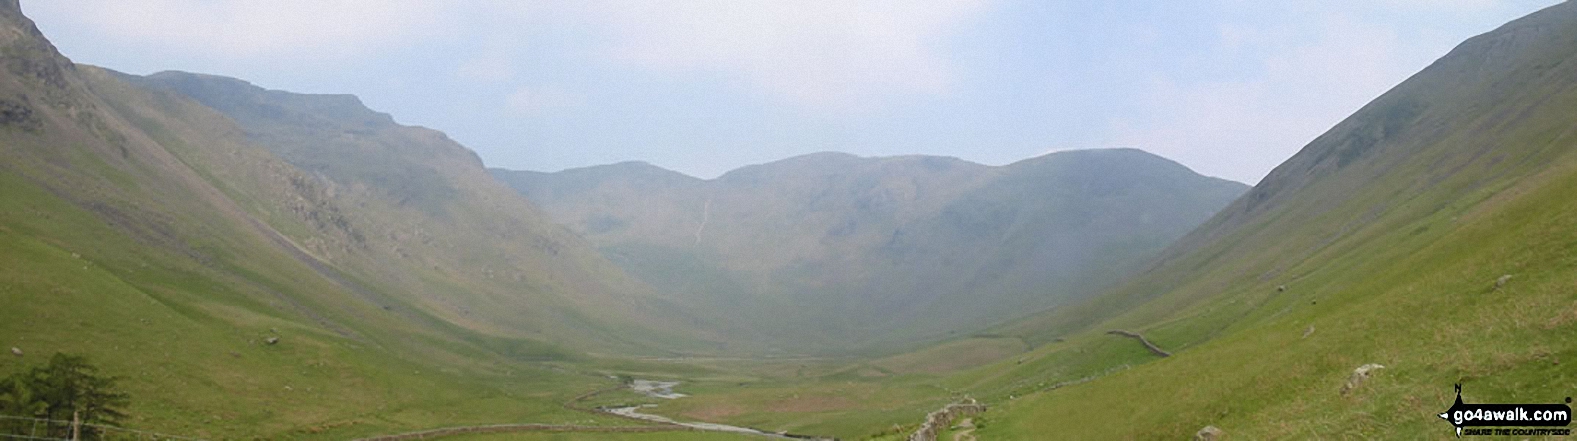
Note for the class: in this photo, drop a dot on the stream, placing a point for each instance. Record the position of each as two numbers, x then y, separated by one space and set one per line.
664 390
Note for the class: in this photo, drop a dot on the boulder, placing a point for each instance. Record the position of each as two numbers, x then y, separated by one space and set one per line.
271 340
1358 376
15 351
1502 281
1209 433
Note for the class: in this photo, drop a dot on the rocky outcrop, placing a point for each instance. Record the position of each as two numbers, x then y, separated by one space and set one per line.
1358 376
27 54
17 113
941 418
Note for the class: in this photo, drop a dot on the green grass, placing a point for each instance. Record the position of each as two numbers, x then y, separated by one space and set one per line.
1389 247
660 436
193 358
143 251
1432 318
812 397
148 253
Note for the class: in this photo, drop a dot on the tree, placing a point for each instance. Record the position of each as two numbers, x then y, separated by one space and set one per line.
18 400
65 389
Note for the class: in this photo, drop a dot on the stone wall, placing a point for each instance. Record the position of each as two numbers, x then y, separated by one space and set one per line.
936 422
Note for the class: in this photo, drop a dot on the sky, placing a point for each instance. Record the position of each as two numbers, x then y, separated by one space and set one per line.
1230 88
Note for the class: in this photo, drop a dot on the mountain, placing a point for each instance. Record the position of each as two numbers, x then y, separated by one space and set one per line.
430 221
260 263
1431 232
838 251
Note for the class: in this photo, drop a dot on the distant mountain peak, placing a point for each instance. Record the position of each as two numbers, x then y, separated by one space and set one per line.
1126 157
870 243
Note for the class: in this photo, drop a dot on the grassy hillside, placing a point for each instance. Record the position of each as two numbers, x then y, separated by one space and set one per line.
426 220
1389 234
881 250
171 227
168 243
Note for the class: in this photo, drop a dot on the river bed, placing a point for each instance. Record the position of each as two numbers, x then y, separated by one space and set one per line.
657 389
664 390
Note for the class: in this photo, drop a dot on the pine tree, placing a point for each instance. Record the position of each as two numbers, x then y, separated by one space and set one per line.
66 388
17 399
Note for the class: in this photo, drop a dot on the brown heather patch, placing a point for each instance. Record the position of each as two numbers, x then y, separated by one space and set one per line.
717 412
1562 318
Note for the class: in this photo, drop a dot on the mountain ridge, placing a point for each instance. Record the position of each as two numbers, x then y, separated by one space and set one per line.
636 166
207 256
843 228
1394 238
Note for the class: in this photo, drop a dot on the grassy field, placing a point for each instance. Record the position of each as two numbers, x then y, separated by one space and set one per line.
661 436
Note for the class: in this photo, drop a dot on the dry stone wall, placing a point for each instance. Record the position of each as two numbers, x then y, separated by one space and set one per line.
936 421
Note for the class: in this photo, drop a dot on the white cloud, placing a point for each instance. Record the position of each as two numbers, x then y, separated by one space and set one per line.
248 29
827 53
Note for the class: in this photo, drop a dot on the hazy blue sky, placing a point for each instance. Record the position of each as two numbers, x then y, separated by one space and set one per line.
1228 87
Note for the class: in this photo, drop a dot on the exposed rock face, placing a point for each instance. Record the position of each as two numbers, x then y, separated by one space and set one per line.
17 113
1209 433
27 53
1358 376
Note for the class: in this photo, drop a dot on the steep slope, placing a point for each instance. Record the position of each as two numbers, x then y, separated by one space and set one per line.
153 234
432 223
1389 240
882 250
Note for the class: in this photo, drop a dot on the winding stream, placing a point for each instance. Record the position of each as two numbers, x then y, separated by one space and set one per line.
664 390
634 412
